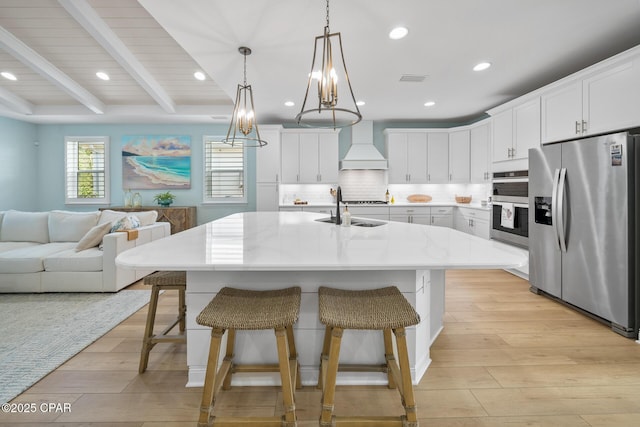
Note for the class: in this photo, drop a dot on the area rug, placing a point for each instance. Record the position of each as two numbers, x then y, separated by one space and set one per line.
39 332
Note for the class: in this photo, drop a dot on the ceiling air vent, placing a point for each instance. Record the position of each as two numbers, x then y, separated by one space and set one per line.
413 78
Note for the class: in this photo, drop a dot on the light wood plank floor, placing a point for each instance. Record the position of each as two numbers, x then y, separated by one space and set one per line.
506 357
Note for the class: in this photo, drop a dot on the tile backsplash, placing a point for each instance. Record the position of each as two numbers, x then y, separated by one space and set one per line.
372 185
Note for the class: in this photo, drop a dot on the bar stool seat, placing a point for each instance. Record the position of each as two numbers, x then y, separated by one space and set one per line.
383 309
160 281
237 309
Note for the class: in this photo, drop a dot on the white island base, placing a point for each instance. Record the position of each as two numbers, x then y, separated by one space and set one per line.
424 289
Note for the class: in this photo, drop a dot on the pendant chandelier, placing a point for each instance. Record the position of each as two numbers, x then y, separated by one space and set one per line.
325 74
244 127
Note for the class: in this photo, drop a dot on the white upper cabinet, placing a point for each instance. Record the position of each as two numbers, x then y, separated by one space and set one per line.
309 157
438 157
407 156
562 112
502 135
515 131
459 152
417 158
268 157
611 98
480 154
593 102
526 128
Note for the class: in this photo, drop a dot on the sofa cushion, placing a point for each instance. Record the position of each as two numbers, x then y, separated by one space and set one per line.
70 260
18 226
93 236
110 216
67 226
30 259
9 246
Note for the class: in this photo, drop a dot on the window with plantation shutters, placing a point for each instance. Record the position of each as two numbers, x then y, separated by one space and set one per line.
224 171
86 170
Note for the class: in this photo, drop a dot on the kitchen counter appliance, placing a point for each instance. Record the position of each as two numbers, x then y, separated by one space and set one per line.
510 191
584 239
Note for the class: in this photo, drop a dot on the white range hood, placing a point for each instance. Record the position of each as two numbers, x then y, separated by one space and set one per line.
363 154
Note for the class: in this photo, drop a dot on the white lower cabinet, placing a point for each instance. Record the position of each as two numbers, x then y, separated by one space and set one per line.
442 216
414 215
319 209
472 221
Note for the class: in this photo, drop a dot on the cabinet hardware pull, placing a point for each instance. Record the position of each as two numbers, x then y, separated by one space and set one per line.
584 127
577 127
450 177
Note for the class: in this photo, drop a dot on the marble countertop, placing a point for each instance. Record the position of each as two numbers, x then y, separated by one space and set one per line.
476 205
294 241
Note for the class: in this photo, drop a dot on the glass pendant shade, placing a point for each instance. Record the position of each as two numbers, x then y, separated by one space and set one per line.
244 127
328 70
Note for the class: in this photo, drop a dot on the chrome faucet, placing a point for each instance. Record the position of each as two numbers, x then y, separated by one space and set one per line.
338 200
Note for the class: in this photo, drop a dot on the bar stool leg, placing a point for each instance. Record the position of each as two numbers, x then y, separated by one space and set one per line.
147 345
289 417
209 391
182 309
389 356
228 358
408 399
293 355
329 389
324 357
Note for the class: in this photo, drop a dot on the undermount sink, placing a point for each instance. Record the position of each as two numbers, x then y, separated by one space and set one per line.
354 222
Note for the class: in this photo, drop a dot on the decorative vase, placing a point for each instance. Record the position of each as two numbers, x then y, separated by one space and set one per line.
165 204
128 199
137 200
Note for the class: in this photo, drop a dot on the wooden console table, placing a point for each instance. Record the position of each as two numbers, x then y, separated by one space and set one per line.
180 217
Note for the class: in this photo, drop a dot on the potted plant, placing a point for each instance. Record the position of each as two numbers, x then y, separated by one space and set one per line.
164 199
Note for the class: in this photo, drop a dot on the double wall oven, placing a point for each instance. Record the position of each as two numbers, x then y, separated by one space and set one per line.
510 196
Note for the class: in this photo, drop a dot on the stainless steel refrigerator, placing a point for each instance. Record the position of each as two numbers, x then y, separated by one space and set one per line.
583 233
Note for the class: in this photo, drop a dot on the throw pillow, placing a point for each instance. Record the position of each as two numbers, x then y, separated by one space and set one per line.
127 223
93 237
110 216
147 217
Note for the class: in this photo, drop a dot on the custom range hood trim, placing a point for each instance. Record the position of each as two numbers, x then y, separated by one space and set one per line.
362 154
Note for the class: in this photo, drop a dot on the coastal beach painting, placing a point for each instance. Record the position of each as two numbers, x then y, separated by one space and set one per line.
156 162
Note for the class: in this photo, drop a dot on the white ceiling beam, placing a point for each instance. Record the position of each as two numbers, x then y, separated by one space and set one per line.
99 30
32 59
16 103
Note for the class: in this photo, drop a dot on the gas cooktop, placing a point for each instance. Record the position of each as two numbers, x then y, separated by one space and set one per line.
364 202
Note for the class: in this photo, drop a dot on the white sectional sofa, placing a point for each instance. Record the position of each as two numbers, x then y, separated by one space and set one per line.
39 251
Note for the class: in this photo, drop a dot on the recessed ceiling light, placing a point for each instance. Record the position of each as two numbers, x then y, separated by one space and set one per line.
360 103
199 75
289 103
398 33
429 103
102 75
9 76
482 66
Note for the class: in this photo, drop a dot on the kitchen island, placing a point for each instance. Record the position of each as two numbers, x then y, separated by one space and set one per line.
268 250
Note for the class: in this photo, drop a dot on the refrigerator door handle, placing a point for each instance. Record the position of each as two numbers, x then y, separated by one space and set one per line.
560 208
554 206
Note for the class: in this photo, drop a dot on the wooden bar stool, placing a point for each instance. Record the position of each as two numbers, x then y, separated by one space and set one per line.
383 309
236 309
160 281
